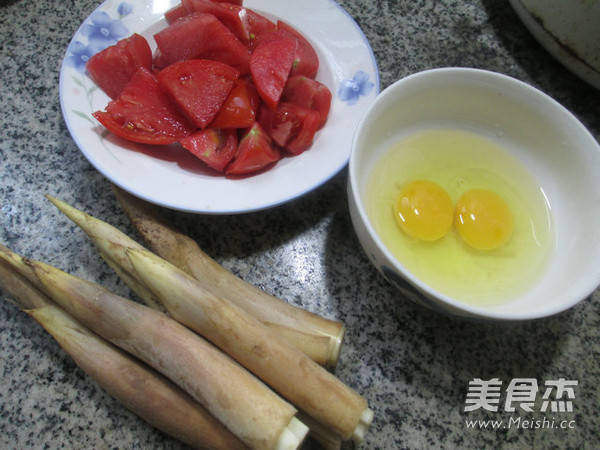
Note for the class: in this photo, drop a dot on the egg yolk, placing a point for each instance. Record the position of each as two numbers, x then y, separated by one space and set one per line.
423 210
483 219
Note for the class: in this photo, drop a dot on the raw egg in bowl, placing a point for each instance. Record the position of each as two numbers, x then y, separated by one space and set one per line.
477 195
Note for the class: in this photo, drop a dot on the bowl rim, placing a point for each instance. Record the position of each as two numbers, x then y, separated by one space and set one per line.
452 306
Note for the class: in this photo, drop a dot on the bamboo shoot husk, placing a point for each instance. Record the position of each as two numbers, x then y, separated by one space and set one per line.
318 337
23 293
283 367
324 349
308 386
254 413
132 383
140 389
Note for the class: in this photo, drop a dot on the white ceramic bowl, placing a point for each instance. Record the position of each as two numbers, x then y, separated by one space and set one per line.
552 144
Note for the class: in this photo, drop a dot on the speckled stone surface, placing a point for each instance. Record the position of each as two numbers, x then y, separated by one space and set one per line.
413 365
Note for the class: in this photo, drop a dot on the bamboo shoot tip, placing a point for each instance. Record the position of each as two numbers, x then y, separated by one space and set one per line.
365 421
56 202
292 435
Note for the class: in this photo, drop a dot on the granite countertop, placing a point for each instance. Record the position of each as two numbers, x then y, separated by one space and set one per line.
412 364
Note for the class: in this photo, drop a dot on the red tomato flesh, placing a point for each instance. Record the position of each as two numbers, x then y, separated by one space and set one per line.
306 61
303 63
234 17
215 147
112 68
231 2
176 12
199 87
257 25
255 152
200 36
309 93
144 113
270 65
291 126
236 125
239 108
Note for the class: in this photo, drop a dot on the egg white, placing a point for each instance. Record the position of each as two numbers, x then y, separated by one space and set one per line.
458 161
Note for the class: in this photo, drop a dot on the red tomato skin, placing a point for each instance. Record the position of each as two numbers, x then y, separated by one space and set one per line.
234 17
215 147
257 26
231 2
112 68
144 113
309 93
176 12
291 126
199 87
270 65
255 152
200 36
239 108
307 60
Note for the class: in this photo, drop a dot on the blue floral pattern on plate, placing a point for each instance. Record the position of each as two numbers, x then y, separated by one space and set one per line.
351 90
124 9
347 62
101 31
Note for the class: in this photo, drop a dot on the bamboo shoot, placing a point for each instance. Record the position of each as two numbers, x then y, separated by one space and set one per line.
135 385
308 386
318 337
254 413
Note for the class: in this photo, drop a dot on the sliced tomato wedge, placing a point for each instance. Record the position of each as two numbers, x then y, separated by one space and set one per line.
270 65
291 126
144 113
257 26
176 12
231 2
112 68
255 152
234 17
306 60
312 94
239 108
215 147
199 87
200 36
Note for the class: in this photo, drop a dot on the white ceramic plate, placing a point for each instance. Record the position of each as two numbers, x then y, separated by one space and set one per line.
172 177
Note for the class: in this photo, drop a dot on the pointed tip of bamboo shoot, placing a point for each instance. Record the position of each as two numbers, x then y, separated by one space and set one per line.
56 202
365 422
72 213
20 264
23 292
292 436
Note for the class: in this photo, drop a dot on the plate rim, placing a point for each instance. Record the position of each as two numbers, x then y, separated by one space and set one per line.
213 209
